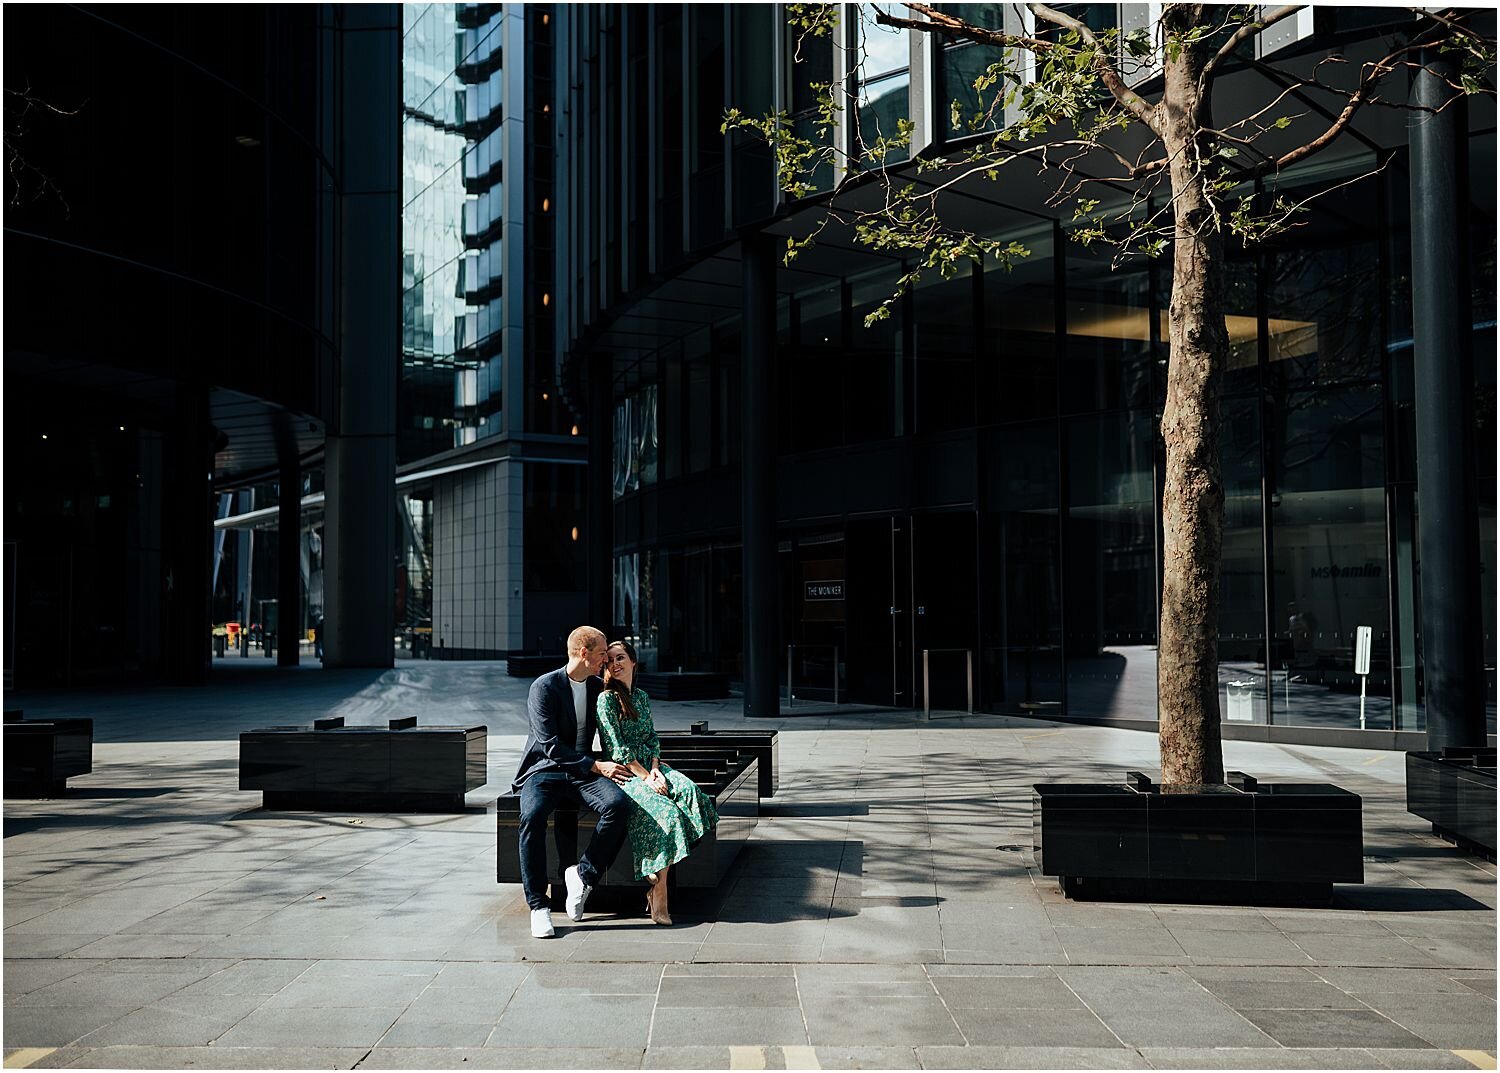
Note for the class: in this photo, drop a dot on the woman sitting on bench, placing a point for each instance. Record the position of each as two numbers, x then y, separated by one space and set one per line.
669 812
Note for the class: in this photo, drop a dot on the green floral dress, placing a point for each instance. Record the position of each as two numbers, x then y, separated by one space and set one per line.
663 827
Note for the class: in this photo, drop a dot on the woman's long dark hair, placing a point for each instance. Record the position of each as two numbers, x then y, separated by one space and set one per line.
621 691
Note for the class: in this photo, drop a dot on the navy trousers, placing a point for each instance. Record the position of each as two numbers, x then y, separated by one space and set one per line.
545 792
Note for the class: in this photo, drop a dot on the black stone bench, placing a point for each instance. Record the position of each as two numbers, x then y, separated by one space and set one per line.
329 767
1241 842
683 685
41 755
763 743
729 776
526 666
1454 790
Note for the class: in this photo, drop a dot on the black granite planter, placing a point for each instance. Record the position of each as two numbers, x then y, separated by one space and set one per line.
397 768
1455 791
763 743
1240 843
41 755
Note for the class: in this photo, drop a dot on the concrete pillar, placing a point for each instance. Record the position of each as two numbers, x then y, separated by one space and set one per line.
599 492
762 586
289 565
187 534
360 455
1447 528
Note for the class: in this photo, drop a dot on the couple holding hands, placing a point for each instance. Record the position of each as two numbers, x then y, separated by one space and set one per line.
661 811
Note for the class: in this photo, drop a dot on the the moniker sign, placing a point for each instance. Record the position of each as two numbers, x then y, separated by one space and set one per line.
823 590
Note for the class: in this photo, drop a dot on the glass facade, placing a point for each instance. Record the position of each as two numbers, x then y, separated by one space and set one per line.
452 233
1052 378
981 470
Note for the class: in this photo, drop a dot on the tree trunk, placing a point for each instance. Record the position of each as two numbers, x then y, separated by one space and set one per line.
1193 496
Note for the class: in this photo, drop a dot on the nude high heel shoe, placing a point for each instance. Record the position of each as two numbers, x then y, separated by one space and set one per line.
656 900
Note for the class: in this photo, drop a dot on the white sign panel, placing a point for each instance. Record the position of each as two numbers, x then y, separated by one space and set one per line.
1362 649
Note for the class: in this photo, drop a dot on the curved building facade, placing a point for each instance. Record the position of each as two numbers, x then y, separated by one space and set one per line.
969 490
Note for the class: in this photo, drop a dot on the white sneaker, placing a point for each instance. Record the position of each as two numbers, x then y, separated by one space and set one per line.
541 924
578 892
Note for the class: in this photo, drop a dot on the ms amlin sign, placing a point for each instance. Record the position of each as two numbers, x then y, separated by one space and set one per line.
828 589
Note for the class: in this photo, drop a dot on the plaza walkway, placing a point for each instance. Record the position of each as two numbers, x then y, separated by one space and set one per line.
886 914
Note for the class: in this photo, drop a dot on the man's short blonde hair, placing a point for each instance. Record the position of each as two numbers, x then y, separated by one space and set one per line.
585 639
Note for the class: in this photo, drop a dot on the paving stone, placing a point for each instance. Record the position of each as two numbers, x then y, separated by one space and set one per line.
1257 1058
202 1058
325 1027
1002 992
1405 1058
1393 981
317 992
1052 1027
441 1034
56 1026
26 974
1282 995
728 1026
879 1022
727 991
585 1020
576 979
1332 1028
1029 1058
714 969
250 977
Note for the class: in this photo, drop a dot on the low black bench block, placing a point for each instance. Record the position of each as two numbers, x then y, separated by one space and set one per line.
1455 791
526 666
731 778
364 768
683 685
1222 842
42 754
763 743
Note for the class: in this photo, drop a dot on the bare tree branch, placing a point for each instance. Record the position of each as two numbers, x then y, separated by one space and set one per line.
1239 37
1133 101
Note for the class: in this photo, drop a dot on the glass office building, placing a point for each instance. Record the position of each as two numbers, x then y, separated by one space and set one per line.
490 458
975 482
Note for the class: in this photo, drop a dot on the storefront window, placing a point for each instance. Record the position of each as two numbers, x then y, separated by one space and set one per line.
943 352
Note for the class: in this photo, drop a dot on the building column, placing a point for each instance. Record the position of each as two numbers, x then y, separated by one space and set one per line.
1447 529
187 537
360 453
289 565
762 586
599 492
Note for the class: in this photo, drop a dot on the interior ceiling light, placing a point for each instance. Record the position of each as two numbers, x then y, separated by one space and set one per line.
545 19
546 300
575 534
247 141
544 396
573 433
546 203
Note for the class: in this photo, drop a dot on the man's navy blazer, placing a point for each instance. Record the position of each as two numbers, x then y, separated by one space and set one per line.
551 744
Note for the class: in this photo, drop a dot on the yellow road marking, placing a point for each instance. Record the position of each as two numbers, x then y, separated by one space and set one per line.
800 1058
1477 1059
747 1058
26 1056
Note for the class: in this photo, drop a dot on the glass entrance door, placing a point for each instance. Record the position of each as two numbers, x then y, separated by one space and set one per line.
945 613
878 599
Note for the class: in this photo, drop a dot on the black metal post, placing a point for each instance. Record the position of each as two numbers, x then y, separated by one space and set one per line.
289 565
758 476
1446 522
599 488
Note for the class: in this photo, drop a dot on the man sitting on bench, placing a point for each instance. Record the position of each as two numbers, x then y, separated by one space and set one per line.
558 768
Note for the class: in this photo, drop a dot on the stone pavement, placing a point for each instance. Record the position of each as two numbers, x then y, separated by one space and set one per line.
886 914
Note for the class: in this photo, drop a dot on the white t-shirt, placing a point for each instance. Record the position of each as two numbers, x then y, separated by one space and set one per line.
580 700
